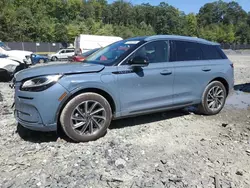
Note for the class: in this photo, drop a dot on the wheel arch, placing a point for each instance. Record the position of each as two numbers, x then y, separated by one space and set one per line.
99 91
223 81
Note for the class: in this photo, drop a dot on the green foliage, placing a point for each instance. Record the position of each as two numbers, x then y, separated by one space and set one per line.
62 20
191 24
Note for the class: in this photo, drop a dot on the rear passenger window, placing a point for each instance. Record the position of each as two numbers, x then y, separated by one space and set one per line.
185 51
69 51
212 52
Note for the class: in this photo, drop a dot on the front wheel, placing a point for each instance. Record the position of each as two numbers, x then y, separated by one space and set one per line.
213 98
86 117
41 61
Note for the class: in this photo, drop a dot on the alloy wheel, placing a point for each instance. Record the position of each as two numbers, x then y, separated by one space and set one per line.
88 117
215 98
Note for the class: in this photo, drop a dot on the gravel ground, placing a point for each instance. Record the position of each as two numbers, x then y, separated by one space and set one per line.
170 149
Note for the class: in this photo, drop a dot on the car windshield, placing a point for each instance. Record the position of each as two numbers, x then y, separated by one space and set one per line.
3 46
88 53
109 54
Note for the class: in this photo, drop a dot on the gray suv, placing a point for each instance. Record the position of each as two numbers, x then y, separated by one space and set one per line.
128 78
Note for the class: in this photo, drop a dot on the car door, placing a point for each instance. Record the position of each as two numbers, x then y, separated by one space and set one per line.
69 52
149 88
61 54
192 72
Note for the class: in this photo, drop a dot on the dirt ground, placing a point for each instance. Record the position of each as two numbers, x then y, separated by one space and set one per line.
170 149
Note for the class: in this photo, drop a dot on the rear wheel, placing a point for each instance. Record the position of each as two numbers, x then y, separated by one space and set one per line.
213 98
86 117
54 58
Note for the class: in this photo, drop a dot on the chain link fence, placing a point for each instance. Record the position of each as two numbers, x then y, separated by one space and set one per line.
235 46
36 47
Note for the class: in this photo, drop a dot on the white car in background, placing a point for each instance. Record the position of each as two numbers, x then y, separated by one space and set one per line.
15 54
62 54
7 67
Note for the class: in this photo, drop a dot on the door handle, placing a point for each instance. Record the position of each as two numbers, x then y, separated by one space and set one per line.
206 69
166 72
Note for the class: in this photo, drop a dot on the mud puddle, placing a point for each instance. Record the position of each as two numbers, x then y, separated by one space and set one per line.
239 99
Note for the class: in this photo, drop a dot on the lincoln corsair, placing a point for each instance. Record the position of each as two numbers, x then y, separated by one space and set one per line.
128 78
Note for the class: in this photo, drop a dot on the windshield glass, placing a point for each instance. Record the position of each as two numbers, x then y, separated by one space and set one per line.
111 53
3 46
88 53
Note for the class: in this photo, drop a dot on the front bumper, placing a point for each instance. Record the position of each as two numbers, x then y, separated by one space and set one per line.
38 110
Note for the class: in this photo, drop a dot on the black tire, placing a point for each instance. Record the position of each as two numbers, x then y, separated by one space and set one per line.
54 58
203 108
70 108
5 76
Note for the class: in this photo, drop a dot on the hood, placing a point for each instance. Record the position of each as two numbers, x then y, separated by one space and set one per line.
18 53
4 62
68 68
19 60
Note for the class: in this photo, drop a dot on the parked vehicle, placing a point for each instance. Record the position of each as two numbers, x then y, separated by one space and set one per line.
35 58
24 55
9 66
128 78
84 43
80 58
62 54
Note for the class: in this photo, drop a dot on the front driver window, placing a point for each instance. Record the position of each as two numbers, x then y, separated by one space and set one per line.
155 52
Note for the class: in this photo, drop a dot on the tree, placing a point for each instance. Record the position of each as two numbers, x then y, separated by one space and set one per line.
191 24
212 13
61 33
243 33
234 14
248 18
62 20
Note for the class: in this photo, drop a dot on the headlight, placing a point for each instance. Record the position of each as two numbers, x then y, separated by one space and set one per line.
10 68
40 83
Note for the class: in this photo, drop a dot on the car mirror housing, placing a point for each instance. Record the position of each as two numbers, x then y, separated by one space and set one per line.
138 61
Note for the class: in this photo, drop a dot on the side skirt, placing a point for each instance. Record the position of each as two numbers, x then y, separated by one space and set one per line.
152 111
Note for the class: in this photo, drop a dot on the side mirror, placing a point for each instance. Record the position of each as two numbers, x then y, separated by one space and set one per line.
138 61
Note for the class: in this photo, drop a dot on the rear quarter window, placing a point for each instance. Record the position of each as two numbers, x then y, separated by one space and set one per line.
212 52
192 51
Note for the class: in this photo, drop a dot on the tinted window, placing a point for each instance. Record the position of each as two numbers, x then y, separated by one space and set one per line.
212 52
69 51
155 52
185 51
